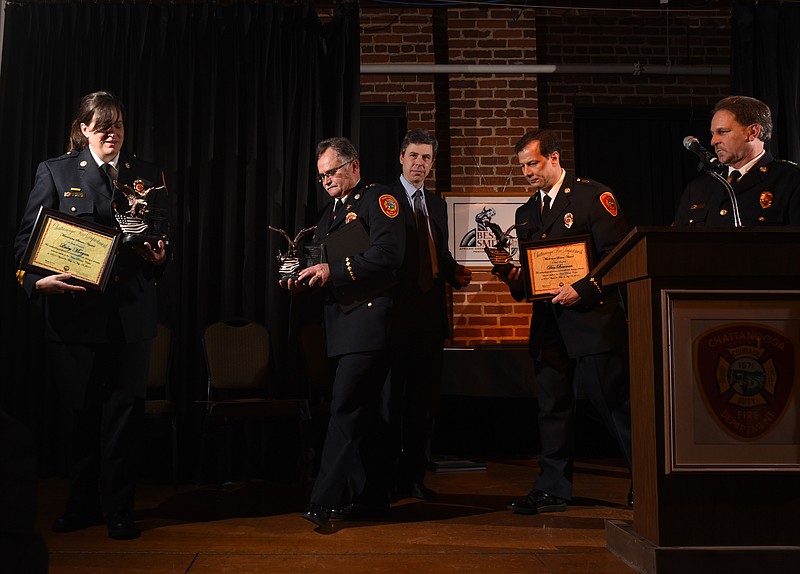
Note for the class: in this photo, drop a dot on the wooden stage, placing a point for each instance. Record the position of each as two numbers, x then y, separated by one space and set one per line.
256 526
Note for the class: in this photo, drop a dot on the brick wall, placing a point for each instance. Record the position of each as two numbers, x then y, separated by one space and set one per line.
477 118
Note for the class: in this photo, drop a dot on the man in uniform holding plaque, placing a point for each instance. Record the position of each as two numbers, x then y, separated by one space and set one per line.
767 190
362 233
420 323
98 342
579 330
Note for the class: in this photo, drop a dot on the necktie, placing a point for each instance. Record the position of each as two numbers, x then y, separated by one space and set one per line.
734 176
116 197
545 206
428 265
111 175
337 205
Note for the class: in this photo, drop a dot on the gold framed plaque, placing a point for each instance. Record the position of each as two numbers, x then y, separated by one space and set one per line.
550 264
60 243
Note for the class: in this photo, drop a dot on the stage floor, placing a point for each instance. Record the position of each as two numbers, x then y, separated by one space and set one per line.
250 527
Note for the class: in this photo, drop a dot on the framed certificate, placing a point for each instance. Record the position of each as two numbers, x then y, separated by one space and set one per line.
60 243
549 264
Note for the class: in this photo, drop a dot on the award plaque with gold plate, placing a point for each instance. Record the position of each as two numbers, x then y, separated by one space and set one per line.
550 264
61 243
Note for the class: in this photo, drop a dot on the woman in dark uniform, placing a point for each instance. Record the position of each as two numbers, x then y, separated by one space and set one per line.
98 343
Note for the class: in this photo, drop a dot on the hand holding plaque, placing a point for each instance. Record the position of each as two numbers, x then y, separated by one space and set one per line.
298 256
61 243
137 217
550 264
499 254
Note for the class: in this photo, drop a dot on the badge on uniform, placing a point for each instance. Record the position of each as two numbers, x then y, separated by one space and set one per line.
766 199
608 201
389 205
569 219
351 215
75 192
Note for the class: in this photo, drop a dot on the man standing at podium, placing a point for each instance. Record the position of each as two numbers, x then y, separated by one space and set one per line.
767 190
580 330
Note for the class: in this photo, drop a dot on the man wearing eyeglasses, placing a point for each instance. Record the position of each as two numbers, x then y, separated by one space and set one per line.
356 291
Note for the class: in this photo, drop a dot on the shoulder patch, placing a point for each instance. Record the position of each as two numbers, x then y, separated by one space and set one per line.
389 205
608 201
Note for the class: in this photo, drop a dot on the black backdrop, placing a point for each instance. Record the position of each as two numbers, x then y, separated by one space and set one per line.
231 100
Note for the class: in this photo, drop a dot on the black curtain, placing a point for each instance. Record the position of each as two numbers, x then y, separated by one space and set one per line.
766 65
231 101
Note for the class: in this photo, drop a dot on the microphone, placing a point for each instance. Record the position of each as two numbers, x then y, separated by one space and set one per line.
715 169
709 160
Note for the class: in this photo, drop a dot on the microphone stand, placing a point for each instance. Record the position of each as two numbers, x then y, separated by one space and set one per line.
737 221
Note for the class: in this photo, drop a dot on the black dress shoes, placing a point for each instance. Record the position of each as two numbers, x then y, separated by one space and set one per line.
538 502
72 521
317 514
121 526
415 490
419 490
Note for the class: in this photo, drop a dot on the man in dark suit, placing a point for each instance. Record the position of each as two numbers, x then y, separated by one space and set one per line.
421 323
767 190
581 329
98 342
356 284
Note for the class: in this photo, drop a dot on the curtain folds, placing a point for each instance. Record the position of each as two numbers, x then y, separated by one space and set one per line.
766 65
231 100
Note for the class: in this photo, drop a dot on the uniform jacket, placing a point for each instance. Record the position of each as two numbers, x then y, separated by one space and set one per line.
767 195
126 310
408 292
367 276
582 207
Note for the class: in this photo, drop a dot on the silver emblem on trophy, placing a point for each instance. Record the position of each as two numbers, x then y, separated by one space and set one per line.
139 221
298 256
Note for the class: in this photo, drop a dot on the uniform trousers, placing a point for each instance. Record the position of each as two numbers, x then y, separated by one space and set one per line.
603 378
103 388
354 447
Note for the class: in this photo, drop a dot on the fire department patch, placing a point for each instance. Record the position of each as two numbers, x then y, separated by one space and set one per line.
350 217
389 205
745 372
608 201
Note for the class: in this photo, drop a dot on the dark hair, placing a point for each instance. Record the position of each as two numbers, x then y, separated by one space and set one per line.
419 137
345 151
748 111
548 142
103 108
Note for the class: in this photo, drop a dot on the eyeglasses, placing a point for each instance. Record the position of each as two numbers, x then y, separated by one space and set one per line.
332 172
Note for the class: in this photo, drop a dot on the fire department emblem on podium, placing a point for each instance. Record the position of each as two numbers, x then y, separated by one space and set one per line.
745 372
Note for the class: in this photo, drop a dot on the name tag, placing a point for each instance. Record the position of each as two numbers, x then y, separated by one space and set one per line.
75 192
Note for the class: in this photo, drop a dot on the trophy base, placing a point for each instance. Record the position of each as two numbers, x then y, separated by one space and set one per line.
140 238
502 270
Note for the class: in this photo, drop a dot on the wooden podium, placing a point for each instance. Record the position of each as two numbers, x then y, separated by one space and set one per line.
714 328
